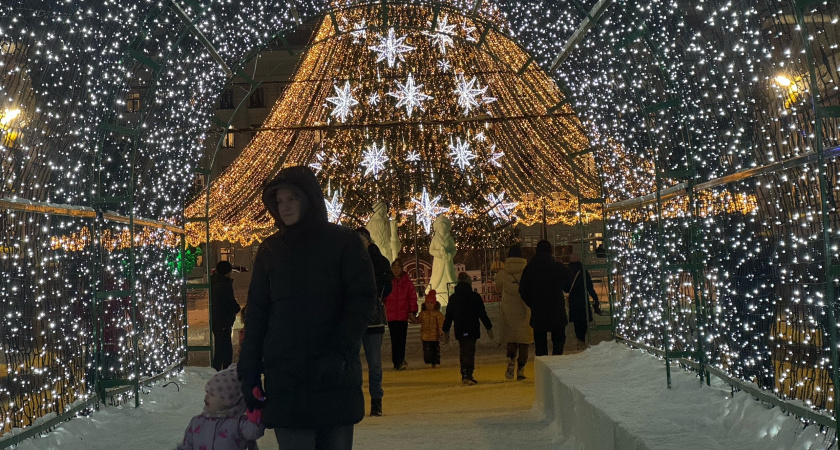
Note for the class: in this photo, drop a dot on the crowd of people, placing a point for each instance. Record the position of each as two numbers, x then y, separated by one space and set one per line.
321 293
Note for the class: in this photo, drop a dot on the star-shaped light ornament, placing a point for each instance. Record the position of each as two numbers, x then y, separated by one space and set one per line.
444 65
410 95
359 31
343 101
460 153
318 164
427 210
495 156
334 207
373 99
374 159
442 35
468 31
391 48
470 93
412 156
500 210
467 209
480 137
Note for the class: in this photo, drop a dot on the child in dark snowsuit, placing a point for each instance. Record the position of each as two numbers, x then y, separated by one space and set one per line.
223 424
466 308
431 329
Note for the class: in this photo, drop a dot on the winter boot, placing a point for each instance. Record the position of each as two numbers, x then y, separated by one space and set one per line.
509 371
469 381
520 373
375 407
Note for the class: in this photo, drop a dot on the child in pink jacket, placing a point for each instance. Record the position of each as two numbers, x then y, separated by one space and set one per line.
224 423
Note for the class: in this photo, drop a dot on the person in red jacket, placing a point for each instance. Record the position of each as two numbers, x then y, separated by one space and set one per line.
400 306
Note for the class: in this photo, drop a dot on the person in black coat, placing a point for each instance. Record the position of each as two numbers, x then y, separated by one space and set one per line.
311 298
372 339
541 288
466 308
223 313
579 311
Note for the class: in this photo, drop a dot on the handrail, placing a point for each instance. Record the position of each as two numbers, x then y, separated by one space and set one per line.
19 204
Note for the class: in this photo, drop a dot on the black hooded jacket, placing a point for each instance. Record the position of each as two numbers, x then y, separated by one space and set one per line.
311 299
579 310
541 288
383 275
466 308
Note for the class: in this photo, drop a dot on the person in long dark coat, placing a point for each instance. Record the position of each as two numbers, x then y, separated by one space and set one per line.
372 339
541 288
580 312
311 298
224 313
466 309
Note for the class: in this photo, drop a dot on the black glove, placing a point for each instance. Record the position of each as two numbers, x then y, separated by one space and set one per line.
329 369
251 401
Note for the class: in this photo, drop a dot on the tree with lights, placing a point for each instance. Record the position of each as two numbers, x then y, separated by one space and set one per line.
430 115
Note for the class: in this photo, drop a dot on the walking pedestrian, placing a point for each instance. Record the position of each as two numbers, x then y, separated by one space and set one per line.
541 288
311 298
400 308
515 315
223 312
466 309
431 329
580 312
372 339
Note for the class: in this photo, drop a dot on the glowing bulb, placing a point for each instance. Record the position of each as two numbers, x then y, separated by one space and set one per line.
9 116
783 81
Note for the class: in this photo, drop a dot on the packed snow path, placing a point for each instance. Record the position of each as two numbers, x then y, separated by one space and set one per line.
608 397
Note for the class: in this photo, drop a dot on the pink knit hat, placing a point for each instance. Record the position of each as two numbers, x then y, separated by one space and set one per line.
224 385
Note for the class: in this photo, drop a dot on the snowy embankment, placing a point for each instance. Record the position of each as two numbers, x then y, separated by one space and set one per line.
612 396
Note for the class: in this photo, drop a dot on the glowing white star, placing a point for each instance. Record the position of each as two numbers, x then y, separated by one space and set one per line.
494 156
468 31
444 65
461 154
318 164
500 210
391 48
467 208
427 210
373 99
334 207
374 159
442 35
410 95
468 93
480 137
413 156
360 31
343 102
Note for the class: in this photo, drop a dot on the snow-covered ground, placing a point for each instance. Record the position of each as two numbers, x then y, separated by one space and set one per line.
614 397
610 393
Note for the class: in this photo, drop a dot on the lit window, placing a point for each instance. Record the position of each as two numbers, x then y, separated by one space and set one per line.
132 102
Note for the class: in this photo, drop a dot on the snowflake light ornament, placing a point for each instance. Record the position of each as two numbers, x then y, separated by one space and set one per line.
374 159
442 35
468 31
495 156
343 101
318 164
410 95
360 31
500 210
467 209
444 66
468 93
391 48
460 153
334 207
412 156
373 99
427 210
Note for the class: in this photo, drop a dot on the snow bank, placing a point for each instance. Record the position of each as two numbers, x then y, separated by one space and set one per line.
612 396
